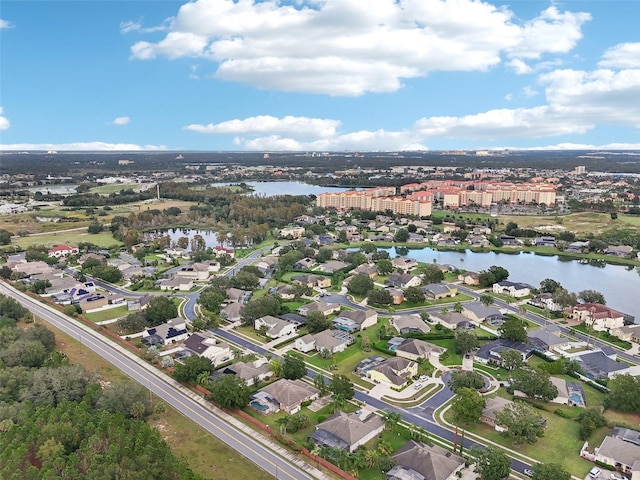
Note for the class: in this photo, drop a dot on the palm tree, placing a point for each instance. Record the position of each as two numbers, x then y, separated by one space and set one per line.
486 299
282 423
203 379
457 307
338 402
391 419
385 448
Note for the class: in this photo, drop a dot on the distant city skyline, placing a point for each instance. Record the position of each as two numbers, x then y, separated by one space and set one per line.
319 75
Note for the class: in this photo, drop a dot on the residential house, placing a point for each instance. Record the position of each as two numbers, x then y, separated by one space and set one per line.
32 268
478 241
232 312
493 406
510 241
312 281
395 372
291 393
61 251
451 320
627 332
333 266
414 349
171 331
219 251
416 238
322 307
198 272
347 431
409 323
176 284
436 291
397 295
176 252
332 341
547 338
477 312
305 344
363 318
513 289
207 346
403 280
275 327
577 247
598 365
626 434
563 390
597 316
304 264
491 352
286 292
620 454
365 269
545 241
545 301
618 250
258 370
237 295
60 285
139 303
92 302
404 264
469 278
292 232
419 461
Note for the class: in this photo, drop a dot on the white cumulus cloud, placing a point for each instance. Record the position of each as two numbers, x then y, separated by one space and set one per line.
121 120
345 47
262 124
4 122
81 146
623 55
5 24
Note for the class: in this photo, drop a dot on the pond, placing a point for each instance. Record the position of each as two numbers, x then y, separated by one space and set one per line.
270 189
619 285
210 237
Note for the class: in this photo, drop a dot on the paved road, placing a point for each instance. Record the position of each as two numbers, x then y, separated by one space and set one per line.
190 405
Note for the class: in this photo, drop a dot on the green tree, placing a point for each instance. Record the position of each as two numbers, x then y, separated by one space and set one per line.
26 353
591 296
431 274
414 295
486 279
191 368
513 329
245 280
467 406
119 397
491 463
5 237
40 286
342 385
465 342
384 266
293 366
391 419
548 285
623 393
230 391
486 299
534 383
379 297
465 379
549 471
360 284
522 423
401 236
159 310
499 273
511 359
317 322
590 420
266 305
211 298
338 403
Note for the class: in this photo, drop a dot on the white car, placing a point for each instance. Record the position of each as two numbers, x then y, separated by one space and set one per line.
422 378
594 472
615 476
417 386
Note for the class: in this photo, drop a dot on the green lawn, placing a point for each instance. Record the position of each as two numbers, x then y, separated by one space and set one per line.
109 314
251 332
113 188
103 239
450 357
560 443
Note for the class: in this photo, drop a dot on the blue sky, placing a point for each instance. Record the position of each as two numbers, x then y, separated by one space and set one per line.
319 75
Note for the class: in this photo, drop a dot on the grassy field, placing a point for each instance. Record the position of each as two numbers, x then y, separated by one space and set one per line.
112 188
205 454
103 239
579 223
108 314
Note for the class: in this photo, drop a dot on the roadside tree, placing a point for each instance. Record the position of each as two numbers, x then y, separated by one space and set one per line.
293 366
465 379
360 284
229 391
491 463
522 423
549 471
467 406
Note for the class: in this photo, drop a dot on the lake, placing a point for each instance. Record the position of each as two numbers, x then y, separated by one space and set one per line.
270 189
210 237
619 285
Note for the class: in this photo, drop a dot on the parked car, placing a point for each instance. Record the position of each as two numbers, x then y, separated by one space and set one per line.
594 472
417 386
528 472
617 476
422 378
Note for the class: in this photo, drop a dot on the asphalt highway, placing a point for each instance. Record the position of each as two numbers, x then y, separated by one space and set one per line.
172 393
